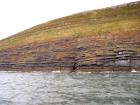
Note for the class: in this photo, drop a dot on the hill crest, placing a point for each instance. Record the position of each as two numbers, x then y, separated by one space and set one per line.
100 40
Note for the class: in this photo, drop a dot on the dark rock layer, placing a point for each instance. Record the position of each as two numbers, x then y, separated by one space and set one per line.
112 52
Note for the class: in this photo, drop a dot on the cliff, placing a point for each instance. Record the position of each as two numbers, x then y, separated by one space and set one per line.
101 40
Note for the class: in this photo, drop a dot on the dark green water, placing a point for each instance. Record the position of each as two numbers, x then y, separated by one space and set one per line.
42 88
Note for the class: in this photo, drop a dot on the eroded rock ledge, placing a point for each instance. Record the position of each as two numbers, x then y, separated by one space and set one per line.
86 53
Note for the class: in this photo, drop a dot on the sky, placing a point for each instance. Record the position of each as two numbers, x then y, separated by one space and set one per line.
18 15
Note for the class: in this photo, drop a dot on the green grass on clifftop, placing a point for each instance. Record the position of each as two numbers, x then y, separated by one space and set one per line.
118 19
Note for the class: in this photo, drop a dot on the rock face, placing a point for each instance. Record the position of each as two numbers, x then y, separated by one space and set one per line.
92 53
111 51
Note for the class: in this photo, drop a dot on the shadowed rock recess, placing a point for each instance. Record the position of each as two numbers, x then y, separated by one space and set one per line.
93 41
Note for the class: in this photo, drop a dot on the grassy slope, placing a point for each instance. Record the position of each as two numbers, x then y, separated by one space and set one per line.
98 22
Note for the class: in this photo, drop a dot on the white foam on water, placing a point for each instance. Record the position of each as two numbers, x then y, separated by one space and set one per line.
133 70
84 72
8 71
58 71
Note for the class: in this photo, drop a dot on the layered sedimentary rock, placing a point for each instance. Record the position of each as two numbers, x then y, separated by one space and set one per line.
117 49
92 53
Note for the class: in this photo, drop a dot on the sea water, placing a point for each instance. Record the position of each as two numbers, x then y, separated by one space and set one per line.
46 88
